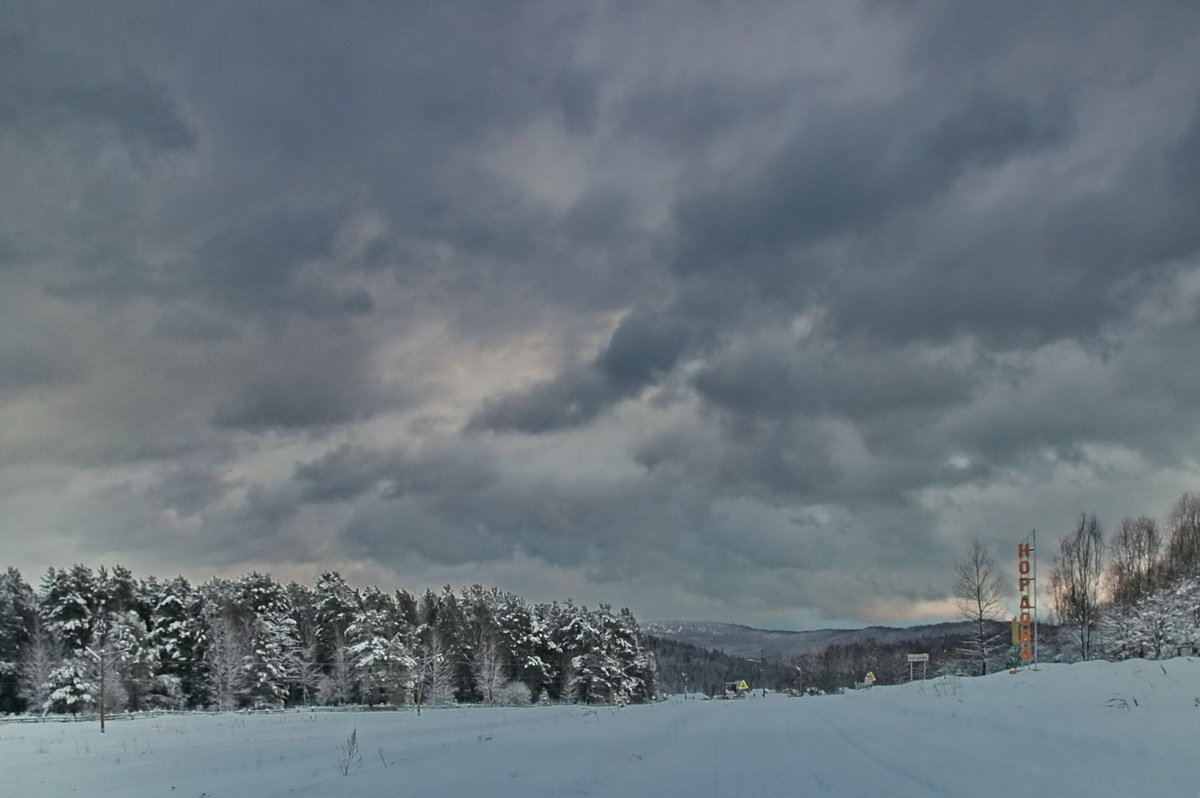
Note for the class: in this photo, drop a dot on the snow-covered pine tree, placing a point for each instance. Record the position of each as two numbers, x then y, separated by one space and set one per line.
132 659
177 635
18 610
70 688
380 660
636 662
230 643
525 638
334 606
69 604
607 662
592 672
117 591
271 664
563 621
271 660
542 654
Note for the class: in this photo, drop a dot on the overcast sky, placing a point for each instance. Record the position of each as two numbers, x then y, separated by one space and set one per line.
753 312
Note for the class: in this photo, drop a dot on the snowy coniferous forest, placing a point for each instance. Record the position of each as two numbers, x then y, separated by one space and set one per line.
252 642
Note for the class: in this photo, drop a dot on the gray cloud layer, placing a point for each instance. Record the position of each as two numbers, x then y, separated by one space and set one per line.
744 315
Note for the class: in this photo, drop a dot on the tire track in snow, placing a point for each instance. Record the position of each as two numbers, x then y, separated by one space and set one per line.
894 766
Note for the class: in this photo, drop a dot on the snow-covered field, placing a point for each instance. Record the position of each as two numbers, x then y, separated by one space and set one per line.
1090 729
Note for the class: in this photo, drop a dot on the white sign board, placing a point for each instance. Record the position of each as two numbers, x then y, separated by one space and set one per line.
918 658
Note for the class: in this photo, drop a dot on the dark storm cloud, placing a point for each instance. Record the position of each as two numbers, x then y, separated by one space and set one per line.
846 170
189 490
348 472
774 380
642 348
31 365
41 91
298 402
698 112
727 309
596 526
575 93
260 266
1035 272
341 475
572 398
305 379
779 461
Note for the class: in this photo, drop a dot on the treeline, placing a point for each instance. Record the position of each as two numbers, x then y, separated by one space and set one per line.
86 636
687 668
1136 595
846 665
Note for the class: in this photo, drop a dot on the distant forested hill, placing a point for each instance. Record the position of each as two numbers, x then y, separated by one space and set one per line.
711 654
751 643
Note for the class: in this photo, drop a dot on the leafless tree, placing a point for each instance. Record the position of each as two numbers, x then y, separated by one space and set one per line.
489 669
1134 552
336 687
40 659
438 673
1183 549
1075 580
433 677
224 658
979 595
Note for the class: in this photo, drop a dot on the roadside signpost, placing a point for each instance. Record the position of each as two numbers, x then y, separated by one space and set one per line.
921 658
1027 586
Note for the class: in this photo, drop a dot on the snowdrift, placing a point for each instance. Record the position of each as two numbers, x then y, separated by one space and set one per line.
1089 729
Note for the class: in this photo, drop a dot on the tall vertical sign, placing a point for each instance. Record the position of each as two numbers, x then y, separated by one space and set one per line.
1027 586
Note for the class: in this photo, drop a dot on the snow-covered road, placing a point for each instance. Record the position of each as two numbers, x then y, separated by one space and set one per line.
1093 729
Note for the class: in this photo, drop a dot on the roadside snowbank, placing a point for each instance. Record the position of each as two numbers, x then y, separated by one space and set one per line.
1090 729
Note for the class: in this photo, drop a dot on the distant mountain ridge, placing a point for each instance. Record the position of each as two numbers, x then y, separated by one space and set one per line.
750 643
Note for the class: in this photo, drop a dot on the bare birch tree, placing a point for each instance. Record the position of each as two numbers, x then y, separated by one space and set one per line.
1183 549
224 659
1133 552
1075 580
41 657
979 595
489 669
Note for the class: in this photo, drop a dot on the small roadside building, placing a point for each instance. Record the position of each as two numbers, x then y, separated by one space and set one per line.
736 689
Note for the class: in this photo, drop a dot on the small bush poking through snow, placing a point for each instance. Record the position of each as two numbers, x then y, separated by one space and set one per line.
1119 701
349 757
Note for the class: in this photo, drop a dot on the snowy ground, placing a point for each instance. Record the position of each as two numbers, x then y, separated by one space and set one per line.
1091 729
